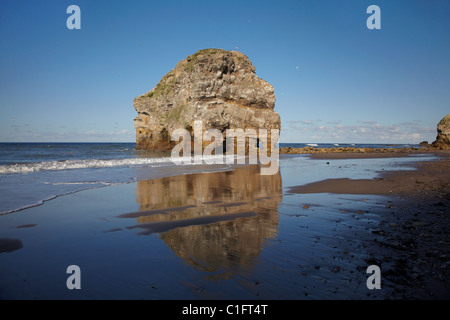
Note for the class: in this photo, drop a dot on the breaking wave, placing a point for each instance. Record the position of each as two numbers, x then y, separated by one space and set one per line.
101 163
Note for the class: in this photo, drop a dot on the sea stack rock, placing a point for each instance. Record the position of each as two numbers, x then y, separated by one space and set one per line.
216 86
443 134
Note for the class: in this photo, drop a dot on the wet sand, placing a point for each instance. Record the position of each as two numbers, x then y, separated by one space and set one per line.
430 176
239 235
9 245
413 236
359 155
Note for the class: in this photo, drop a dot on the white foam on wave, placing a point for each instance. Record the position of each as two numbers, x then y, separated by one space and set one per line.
50 197
312 144
77 164
98 163
37 203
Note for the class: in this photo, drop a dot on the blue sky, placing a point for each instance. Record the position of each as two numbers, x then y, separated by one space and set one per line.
353 84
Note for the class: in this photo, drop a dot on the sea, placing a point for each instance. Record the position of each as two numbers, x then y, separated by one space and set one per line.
33 173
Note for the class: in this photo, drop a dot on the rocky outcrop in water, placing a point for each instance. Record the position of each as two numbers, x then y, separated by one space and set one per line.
443 134
216 86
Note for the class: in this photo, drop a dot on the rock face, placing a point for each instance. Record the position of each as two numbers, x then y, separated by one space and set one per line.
443 134
216 86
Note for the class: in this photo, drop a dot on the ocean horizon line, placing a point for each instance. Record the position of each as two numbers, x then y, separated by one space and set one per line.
284 143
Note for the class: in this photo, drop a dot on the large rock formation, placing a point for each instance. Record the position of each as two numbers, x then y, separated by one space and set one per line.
443 134
216 86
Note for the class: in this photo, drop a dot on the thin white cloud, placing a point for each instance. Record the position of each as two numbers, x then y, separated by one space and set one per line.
363 132
367 122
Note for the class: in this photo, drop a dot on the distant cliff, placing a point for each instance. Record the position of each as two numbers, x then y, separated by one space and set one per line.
216 86
443 134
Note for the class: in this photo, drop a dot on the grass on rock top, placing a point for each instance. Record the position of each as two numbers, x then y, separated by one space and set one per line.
164 87
193 59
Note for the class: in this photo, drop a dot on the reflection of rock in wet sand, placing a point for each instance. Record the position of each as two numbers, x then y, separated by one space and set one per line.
213 220
10 245
225 244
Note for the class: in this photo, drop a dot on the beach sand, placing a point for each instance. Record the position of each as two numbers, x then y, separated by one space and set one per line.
430 176
414 234
241 235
